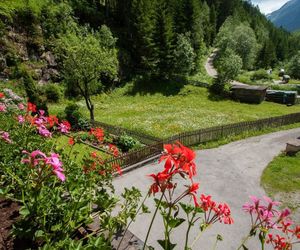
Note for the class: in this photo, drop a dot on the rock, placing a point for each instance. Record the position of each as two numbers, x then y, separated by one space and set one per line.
49 74
49 57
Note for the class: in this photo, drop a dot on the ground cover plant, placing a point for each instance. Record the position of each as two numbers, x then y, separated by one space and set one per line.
153 112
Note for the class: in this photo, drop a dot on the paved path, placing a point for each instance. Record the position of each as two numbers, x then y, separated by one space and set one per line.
211 71
230 174
209 67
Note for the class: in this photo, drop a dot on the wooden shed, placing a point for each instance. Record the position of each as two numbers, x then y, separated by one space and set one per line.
249 93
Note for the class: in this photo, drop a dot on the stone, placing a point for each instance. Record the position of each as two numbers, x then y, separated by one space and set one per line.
49 57
292 147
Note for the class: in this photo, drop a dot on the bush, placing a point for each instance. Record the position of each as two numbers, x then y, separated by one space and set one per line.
126 142
32 92
72 114
84 124
294 66
260 75
52 92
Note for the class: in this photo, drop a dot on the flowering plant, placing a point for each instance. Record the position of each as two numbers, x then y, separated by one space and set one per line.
179 161
273 227
55 194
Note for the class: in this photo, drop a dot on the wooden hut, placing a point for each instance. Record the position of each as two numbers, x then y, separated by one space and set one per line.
248 93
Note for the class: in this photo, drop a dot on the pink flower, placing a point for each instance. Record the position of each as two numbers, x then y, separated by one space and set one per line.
2 107
21 119
64 127
5 136
43 131
42 112
56 164
36 157
21 106
32 157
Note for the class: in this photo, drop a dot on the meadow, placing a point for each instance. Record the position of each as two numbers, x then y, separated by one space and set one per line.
165 113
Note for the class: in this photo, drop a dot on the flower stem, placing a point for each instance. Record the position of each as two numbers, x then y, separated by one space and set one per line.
151 224
199 235
244 241
188 230
167 233
126 229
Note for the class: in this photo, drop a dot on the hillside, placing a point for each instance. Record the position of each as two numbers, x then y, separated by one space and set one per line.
287 16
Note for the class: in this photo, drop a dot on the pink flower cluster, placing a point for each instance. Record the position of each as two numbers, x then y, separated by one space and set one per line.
5 137
265 216
44 124
38 159
214 212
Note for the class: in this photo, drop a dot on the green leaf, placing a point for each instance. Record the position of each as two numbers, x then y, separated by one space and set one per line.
186 208
145 209
169 245
24 211
39 234
55 228
219 237
175 222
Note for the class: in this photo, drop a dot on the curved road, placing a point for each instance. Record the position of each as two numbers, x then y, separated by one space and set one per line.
211 71
230 174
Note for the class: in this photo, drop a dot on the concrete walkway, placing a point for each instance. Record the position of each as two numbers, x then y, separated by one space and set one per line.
230 174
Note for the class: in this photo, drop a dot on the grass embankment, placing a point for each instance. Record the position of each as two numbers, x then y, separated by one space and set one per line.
281 180
282 174
163 113
79 150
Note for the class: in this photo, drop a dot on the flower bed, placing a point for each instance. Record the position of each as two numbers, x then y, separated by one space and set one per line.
57 197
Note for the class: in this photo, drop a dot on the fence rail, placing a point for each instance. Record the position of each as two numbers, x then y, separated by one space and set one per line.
143 138
218 132
136 156
193 137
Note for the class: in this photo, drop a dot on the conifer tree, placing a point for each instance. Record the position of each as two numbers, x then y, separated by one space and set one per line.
143 28
164 39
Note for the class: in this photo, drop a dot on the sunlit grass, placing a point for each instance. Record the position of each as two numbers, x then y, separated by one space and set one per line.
282 174
160 115
79 150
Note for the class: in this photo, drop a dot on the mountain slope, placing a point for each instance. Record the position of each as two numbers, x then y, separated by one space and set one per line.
288 16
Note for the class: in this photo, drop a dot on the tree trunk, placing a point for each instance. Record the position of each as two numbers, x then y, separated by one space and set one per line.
92 117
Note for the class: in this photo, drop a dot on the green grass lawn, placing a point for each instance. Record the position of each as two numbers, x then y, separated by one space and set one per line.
282 174
79 150
164 115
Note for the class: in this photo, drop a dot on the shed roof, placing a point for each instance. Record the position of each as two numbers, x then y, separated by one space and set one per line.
249 87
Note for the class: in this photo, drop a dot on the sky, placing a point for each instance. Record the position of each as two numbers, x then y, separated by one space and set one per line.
268 6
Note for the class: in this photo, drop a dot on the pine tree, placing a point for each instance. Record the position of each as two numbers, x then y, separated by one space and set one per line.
164 40
143 28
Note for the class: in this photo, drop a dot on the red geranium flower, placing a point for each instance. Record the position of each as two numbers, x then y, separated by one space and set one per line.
31 107
71 141
1 95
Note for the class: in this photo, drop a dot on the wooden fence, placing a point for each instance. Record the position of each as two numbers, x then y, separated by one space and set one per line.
199 136
115 130
136 156
219 132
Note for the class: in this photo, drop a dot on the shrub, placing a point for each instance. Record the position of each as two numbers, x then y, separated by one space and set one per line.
126 142
52 92
260 75
84 124
294 66
72 114
33 93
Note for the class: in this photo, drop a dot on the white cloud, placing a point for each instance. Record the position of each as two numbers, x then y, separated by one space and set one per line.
268 6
